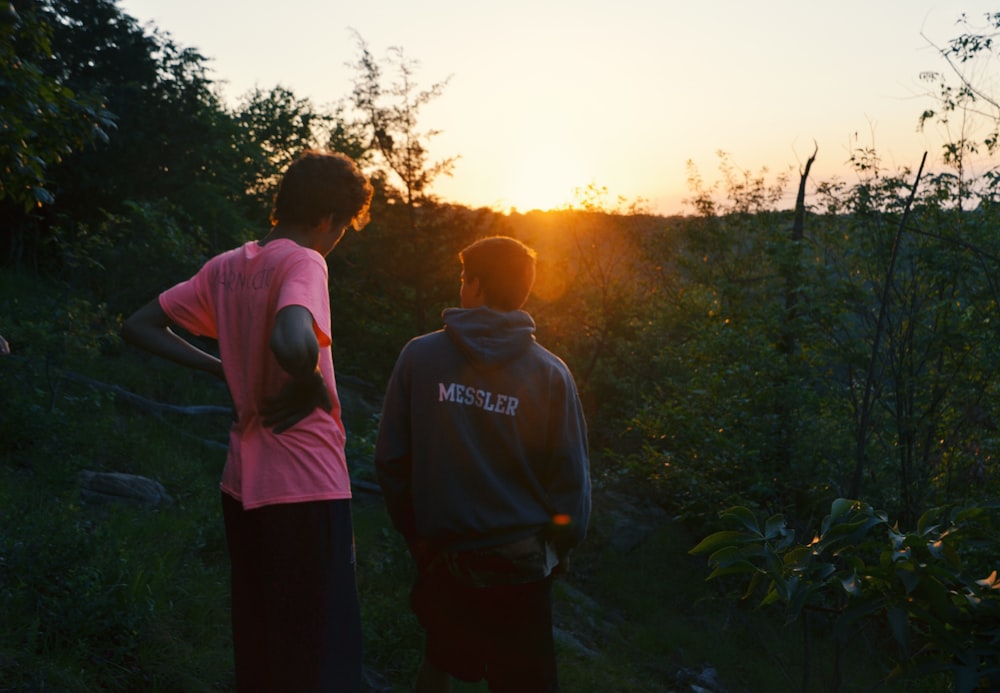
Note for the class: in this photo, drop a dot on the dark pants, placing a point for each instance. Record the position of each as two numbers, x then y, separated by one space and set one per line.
296 615
501 633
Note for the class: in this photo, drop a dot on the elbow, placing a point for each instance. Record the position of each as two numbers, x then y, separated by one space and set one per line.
293 341
136 330
288 358
129 331
277 348
140 327
297 360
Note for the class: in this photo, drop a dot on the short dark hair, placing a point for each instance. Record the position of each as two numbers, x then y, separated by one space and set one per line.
505 268
320 183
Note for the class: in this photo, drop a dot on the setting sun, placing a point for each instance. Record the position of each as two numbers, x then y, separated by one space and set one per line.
544 178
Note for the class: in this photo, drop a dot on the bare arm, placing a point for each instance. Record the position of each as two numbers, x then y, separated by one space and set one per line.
296 348
149 328
294 343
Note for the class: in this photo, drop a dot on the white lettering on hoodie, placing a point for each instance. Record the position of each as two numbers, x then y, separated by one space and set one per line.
471 397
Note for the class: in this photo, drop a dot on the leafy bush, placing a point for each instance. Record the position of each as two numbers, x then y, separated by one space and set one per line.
859 569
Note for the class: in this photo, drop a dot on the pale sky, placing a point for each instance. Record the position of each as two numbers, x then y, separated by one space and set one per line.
547 96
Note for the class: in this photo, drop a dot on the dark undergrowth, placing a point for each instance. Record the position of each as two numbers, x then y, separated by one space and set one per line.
124 598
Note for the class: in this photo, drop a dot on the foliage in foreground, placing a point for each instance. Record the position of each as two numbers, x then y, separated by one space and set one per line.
928 586
122 598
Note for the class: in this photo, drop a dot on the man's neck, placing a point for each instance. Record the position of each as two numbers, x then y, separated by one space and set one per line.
292 232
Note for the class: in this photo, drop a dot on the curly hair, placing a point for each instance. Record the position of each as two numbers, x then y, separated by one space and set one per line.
319 184
505 268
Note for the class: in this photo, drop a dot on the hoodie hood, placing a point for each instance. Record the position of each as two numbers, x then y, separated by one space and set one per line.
489 338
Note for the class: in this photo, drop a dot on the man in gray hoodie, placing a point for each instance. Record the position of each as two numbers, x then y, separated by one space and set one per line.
482 457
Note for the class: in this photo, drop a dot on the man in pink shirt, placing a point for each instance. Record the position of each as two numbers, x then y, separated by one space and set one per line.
285 486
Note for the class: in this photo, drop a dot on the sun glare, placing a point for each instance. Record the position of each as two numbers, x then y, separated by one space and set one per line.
545 179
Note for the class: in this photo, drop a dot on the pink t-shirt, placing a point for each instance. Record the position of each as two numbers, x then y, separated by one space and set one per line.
234 298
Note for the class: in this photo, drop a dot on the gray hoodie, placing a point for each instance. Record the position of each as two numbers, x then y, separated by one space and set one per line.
482 439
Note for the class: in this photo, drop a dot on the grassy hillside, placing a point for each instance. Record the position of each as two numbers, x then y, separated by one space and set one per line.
124 598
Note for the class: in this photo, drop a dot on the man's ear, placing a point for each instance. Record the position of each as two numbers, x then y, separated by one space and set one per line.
340 223
473 295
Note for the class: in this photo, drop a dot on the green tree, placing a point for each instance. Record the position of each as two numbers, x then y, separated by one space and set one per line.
276 126
179 156
966 112
714 416
42 119
592 294
172 142
912 337
419 250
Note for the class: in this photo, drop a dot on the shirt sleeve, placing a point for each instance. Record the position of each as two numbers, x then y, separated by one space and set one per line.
189 304
306 284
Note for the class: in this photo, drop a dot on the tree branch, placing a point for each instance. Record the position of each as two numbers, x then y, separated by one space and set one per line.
144 403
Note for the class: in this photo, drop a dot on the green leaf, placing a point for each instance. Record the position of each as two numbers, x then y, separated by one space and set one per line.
725 555
975 511
951 557
900 626
908 576
966 679
733 568
855 563
859 608
900 550
752 585
744 516
771 597
937 597
798 557
825 570
924 523
775 526
936 548
848 531
798 595
840 508
42 196
713 542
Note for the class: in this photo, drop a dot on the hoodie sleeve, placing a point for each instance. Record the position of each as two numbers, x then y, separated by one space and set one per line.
393 451
569 486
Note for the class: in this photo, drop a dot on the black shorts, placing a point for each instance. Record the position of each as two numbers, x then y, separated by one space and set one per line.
501 633
295 610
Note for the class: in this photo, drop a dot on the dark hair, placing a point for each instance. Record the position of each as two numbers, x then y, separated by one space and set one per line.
321 183
505 268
